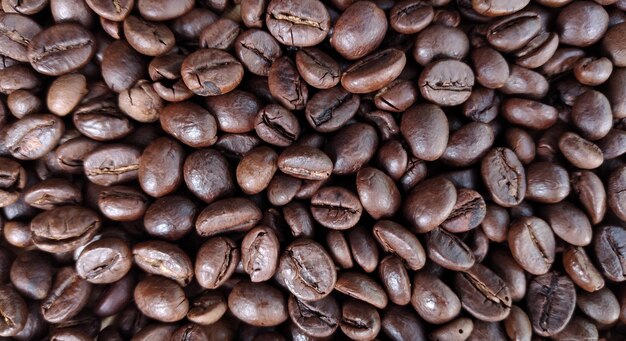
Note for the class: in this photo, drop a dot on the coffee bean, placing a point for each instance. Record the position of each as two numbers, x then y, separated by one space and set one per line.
529 114
34 136
431 45
468 211
429 204
228 215
259 253
446 82
68 296
276 125
449 251
164 259
257 50
17 33
400 323
31 274
532 244
161 299
514 31
211 72
336 208
553 300
305 163
207 308
112 164
411 16
351 38
483 294
373 72
64 228
318 318
160 10
104 261
608 248
307 270
14 311
615 192
298 23
340 147
170 217
359 320
574 16
504 177
433 300
396 279
425 129
115 11
61 49
330 109
317 68
286 85
546 182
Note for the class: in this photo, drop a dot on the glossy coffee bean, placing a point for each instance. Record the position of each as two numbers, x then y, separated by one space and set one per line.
429 204
14 310
215 262
64 228
228 215
607 245
502 163
359 320
211 72
433 300
61 49
161 299
259 253
446 82
554 300
67 297
163 259
351 38
300 23
258 304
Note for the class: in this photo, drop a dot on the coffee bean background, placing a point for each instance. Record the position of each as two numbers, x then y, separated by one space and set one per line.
278 170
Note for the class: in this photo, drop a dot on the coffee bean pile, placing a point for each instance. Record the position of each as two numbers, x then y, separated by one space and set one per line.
188 170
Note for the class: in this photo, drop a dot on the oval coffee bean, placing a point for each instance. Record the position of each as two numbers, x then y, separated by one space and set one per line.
532 244
336 208
211 72
552 301
448 251
227 216
483 294
64 228
429 204
352 39
504 177
373 72
608 245
106 260
304 23
446 82
259 253
258 304
318 318
433 300
61 49
14 312
216 261
161 299
305 162
164 259
68 296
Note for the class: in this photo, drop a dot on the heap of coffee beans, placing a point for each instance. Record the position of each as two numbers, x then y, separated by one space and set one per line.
276 170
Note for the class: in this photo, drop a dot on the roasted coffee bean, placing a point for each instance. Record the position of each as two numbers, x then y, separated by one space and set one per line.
64 228
504 176
431 45
411 16
161 299
215 262
211 72
532 244
316 67
546 182
398 96
373 72
446 82
553 300
318 318
61 49
359 30
33 136
259 253
258 304
307 270
207 308
359 320
330 109
67 297
395 278
301 23
363 288
22 103
31 274
228 215
115 11
340 147
336 208
207 175
580 14
616 194
122 203
483 294
568 223
429 204
433 300
276 125
14 312
305 162
220 34
17 33
514 31
104 261
163 259
257 50
608 241
286 85
170 217
339 249
448 251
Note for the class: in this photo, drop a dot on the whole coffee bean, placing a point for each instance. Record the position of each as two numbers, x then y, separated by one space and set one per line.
282 189
190 124
496 9
425 129
613 144
22 103
336 208
286 85
521 143
106 260
160 10
53 192
17 33
429 204
115 11
31 274
580 152
385 122
468 144
160 167
526 82
363 248
228 215
258 304
578 327
61 49
317 318
14 310
504 176
257 50
235 111
569 223
411 16
483 294
468 211
64 228
517 324
63 10
514 31
396 280
397 240
298 23
591 114
112 164
65 93
317 68
378 194
33 136
581 269
207 175
446 82
448 251
276 125
141 102
393 159
329 110
602 306
170 217
259 253
122 203
339 249
401 323
18 77
593 71
363 288
433 300
68 296
163 259
207 308
373 72
532 244
398 96
616 193
341 149
307 270
491 69
252 12
552 299
608 245
582 14
359 320
215 262
115 297
101 121
211 72
18 234
161 299
529 114
351 38
256 169
496 223
431 45
305 162
220 34
546 182
148 38
538 51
